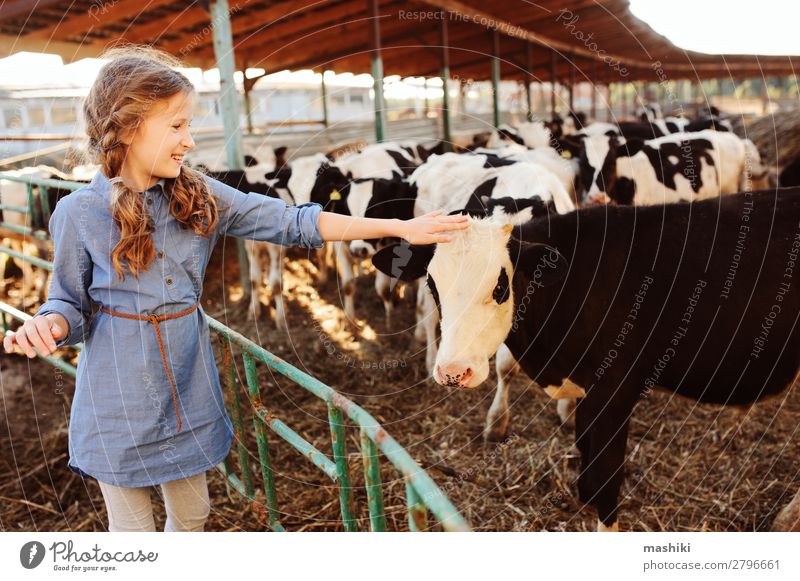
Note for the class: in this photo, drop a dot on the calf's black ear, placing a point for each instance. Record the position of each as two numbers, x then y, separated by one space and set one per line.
630 148
404 261
544 264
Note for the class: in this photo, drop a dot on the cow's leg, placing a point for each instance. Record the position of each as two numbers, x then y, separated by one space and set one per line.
566 394
275 284
566 409
429 321
383 286
419 330
602 456
498 416
601 528
323 263
788 519
256 274
348 285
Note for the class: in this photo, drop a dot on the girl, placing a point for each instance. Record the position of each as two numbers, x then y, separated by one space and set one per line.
135 243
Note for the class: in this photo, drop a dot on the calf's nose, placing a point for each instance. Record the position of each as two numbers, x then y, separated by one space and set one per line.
454 375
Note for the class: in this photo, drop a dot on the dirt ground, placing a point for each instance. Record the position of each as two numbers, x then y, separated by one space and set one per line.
689 467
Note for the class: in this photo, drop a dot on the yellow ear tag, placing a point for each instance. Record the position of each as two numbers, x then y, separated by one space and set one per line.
336 195
566 154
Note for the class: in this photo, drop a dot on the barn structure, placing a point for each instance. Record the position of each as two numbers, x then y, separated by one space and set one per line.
596 41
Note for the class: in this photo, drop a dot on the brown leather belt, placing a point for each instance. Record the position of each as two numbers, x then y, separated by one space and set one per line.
155 320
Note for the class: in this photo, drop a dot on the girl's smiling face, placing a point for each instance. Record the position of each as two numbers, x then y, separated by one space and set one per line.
157 147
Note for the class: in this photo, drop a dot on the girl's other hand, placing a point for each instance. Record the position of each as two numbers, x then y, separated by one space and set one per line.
37 335
433 227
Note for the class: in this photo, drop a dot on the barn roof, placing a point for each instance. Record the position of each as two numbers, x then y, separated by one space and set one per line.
335 35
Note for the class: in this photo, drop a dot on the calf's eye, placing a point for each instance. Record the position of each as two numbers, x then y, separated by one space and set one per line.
501 291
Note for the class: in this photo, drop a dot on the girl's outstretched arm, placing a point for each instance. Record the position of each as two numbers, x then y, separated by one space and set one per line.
430 228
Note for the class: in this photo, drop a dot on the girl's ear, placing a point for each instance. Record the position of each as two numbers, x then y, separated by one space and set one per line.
127 135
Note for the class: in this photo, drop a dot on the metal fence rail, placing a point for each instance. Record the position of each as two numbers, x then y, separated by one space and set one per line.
422 494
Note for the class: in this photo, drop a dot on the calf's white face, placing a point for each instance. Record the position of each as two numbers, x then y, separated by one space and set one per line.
471 281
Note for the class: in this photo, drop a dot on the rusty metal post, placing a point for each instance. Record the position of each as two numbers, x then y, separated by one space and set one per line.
377 70
496 77
529 80
552 84
446 129
571 82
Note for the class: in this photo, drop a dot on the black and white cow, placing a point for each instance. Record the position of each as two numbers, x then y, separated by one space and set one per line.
359 183
680 167
596 297
380 198
379 160
262 256
574 123
485 185
214 159
309 179
387 163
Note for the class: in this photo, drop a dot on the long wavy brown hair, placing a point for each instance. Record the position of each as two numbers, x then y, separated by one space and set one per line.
126 89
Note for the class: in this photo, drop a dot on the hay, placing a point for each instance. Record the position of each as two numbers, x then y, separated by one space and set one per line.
689 467
776 136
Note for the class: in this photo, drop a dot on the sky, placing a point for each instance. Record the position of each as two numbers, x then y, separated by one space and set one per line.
766 27
711 26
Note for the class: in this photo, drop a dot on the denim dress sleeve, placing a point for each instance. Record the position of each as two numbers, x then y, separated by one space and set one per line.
259 217
72 276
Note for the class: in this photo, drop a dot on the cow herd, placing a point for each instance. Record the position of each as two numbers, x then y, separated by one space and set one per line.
603 261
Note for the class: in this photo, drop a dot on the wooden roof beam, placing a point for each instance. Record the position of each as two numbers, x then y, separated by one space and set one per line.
80 23
292 33
274 21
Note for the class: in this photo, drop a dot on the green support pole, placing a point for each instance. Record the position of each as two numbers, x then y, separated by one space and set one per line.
377 70
446 129
229 98
571 82
324 102
496 77
552 84
594 90
372 480
229 101
529 81
248 108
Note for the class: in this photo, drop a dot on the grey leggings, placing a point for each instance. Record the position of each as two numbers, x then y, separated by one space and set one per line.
185 500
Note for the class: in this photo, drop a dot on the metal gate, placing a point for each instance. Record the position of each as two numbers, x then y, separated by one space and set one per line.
422 494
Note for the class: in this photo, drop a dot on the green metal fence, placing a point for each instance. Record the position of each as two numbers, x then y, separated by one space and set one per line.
422 494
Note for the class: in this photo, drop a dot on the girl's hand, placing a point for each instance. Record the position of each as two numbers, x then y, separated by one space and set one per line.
39 333
433 227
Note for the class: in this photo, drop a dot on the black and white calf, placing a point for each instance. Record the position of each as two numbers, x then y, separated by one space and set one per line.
680 167
363 183
375 184
596 297
380 198
485 185
309 179
262 256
